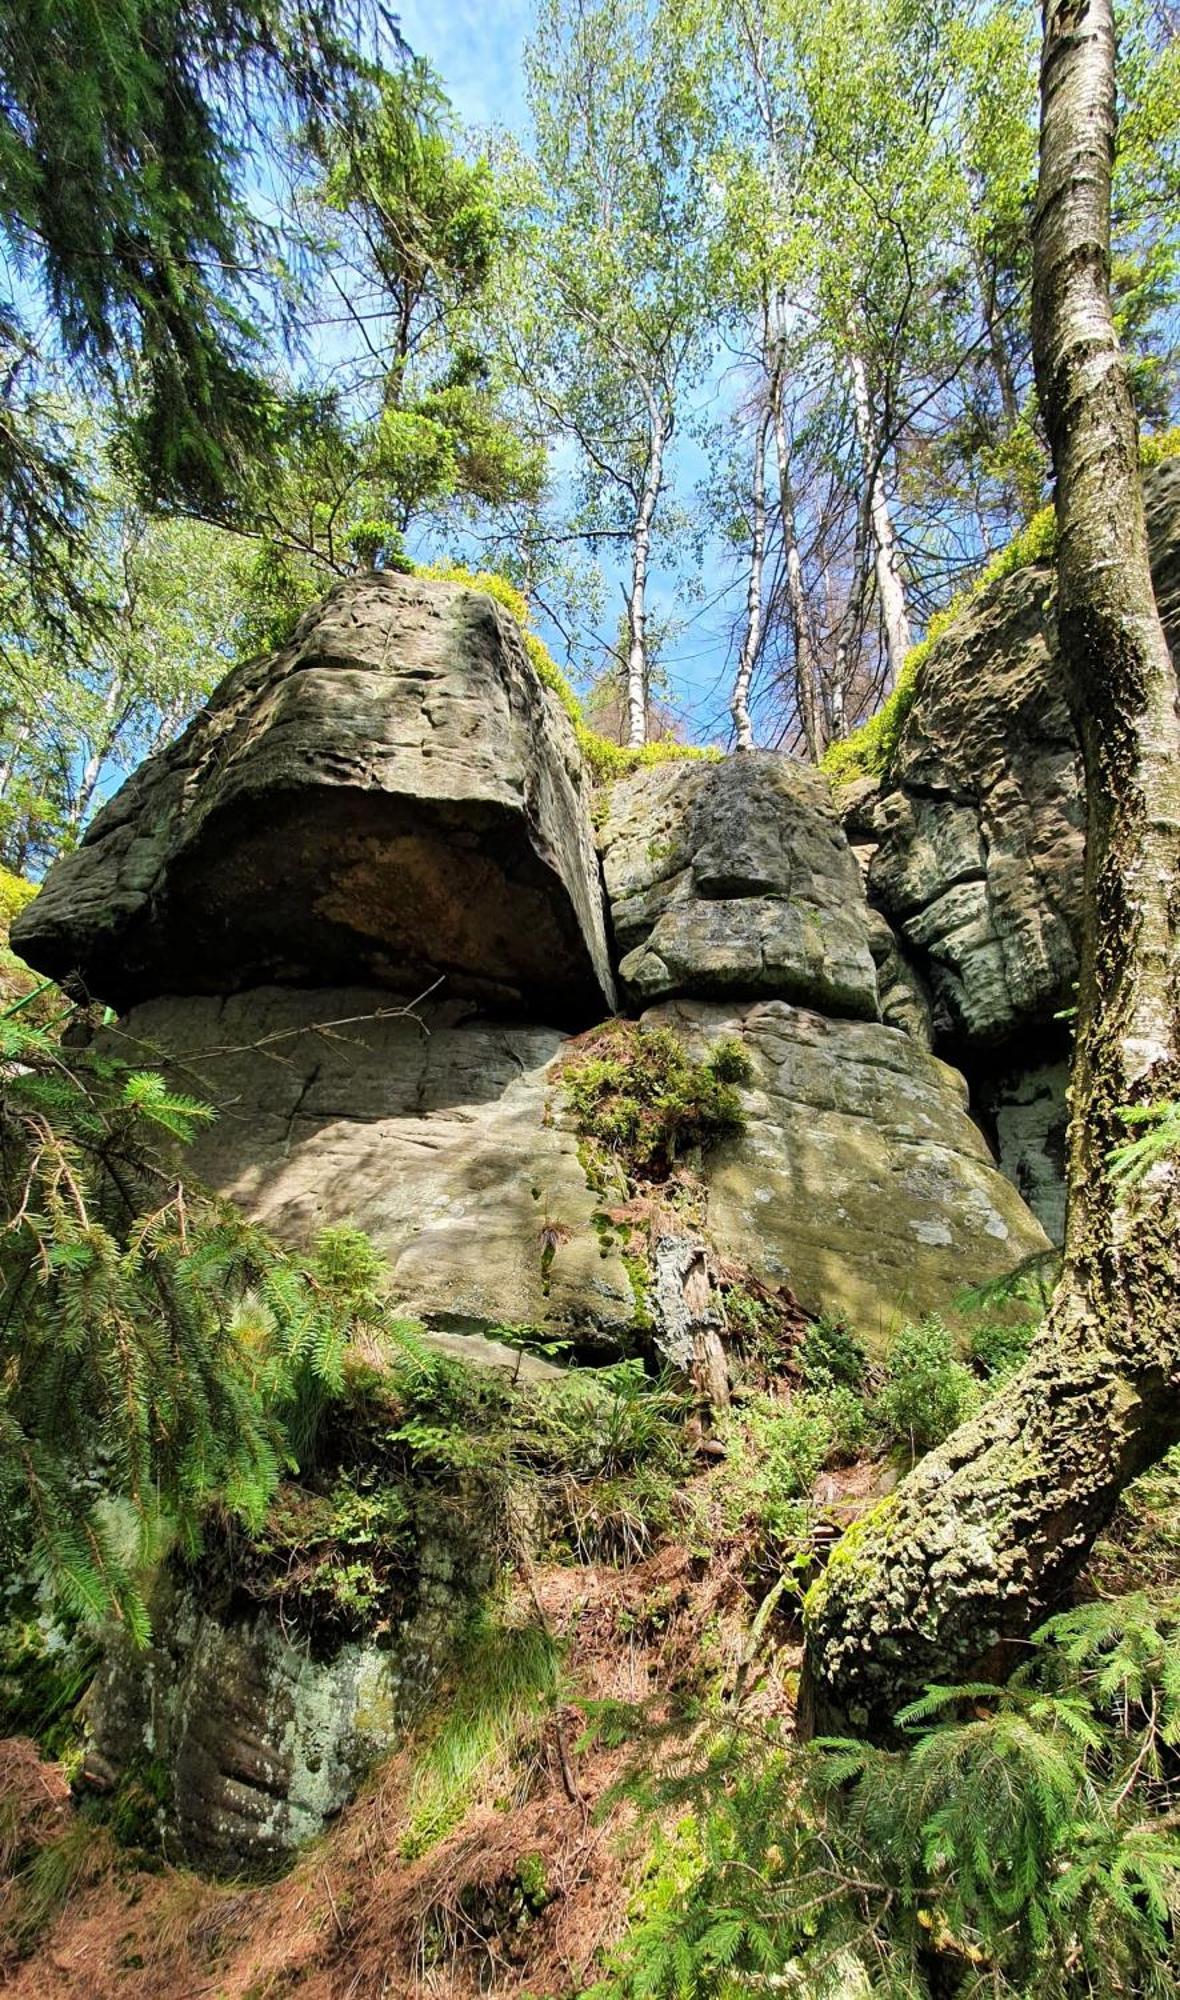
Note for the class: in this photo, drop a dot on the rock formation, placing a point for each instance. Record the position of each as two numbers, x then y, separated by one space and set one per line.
735 878
394 802
393 797
973 849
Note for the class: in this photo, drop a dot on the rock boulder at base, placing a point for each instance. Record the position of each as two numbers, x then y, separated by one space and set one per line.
861 1180
394 797
263 1736
736 878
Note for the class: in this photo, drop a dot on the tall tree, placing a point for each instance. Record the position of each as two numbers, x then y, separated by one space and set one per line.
990 1529
615 328
129 136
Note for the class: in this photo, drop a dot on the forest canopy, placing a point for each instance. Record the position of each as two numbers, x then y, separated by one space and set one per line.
720 355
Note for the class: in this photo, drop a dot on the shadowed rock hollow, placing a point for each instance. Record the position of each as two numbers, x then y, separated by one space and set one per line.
393 797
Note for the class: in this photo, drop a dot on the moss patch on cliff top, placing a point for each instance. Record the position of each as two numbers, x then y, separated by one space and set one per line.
605 760
870 750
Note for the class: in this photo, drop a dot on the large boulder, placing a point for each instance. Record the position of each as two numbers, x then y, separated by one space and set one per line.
435 1131
255 1735
975 842
735 878
393 797
861 1180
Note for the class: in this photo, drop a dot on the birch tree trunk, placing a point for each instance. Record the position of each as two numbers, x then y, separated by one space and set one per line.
805 674
20 737
637 670
104 743
890 587
989 1530
739 707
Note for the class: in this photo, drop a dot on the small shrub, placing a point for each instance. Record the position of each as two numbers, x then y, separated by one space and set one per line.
776 1449
830 1353
927 1392
645 1102
999 1348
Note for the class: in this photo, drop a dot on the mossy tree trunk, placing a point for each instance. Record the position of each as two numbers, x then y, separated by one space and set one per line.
989 1530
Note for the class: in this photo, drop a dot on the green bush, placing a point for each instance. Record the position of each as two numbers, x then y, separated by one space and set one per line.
776 1448
830 1353
926 1392
1019 1842
639 1096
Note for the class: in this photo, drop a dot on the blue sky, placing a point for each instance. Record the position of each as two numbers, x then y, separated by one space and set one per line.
476 46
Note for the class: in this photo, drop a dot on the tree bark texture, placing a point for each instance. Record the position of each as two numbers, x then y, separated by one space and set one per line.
637 666
890 588
989 1531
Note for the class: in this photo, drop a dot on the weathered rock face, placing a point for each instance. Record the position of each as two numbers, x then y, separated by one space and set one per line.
861 1180
438 1133
979 832
262 1739
1025 1108
394 797
736 878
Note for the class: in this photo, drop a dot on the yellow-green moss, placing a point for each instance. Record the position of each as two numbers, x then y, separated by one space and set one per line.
606 760
847 1552
869 751
15 892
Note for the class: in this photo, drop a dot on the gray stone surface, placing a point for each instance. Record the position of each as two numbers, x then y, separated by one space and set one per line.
861 1181
261 1739
975 845
1026 1108
439 1134
736 878
393 797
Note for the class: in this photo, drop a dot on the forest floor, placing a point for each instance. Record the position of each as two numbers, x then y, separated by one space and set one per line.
524 1894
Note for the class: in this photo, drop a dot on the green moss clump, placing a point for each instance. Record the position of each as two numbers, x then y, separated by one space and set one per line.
15 892
640 1098
605 760
870 750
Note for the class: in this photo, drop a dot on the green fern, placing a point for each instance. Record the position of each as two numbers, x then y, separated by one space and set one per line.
157 1351
1159 1139
1019 1841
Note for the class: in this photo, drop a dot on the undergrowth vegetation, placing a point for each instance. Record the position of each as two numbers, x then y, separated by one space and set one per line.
1018 1840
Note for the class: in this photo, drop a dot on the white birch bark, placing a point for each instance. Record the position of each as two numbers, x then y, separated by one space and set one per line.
739 707
637 670
890 587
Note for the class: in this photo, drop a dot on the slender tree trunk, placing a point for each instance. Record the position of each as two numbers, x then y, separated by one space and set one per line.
637 671
739 707
20 737
101 750
989 1530
1001 365
805 673
890 587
